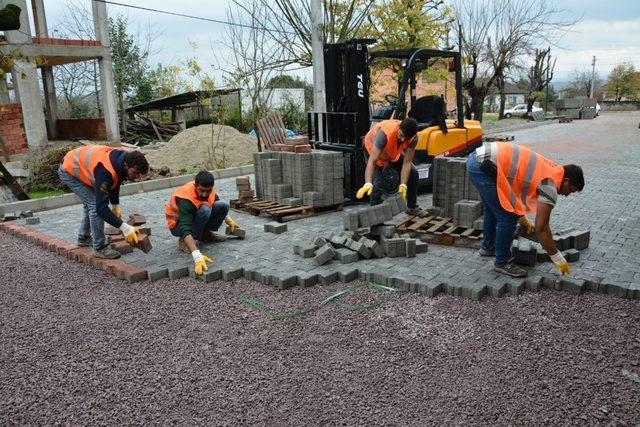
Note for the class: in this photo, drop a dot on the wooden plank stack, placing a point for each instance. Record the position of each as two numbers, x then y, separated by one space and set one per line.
272 135
141 131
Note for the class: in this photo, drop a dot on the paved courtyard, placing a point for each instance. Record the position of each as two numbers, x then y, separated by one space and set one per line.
609 207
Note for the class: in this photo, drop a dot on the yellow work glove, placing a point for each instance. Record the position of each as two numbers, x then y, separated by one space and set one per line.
526 224
200 262
231 224
402 189
365 190
130 233
116 211
560 262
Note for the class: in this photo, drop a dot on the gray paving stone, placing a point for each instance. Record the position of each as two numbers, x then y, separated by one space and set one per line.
347 276
430 289
324 254
410 248
305 250
157 273
33 220
275 227
421 247
306 279
346 256
232 273
178 272
576 286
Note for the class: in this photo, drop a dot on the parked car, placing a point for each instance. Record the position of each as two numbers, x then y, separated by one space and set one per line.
519 110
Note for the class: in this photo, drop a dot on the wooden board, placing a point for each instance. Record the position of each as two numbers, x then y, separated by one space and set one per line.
441 231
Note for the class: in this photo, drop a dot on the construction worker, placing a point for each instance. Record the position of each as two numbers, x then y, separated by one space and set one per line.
513 181
194 211
391 143
95 173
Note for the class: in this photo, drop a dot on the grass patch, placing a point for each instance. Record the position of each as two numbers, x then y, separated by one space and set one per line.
39 194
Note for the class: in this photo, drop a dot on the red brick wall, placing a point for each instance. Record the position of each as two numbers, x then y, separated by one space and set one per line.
12 128
82 128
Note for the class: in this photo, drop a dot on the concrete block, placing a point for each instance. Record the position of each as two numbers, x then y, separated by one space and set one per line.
239 232
346 256
533 283
305 250
33 220
338 241
515 286
429 289
387 211
497 288
579 240
328 278
478 224
576 286
350 219
157 273
306 279
619 289
363 217
375 247
410 248
364 251
275 227
353 245
319 241
324 254
211 275
232 273
122 247
136 219
347 276
178 272
421 247
285 282
571 255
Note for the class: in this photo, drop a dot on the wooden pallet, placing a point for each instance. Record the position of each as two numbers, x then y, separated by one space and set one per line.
279 212
439 230
565 119
492 138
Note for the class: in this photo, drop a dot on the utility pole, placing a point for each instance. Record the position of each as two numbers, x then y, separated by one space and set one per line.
317 54
593 76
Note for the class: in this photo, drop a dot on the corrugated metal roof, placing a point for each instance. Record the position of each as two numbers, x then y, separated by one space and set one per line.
173 101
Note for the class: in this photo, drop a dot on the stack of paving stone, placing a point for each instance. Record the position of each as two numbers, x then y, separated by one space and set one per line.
245 193
569 107
588 109
368 234
296 144
451 184
570 242
466 212
315 179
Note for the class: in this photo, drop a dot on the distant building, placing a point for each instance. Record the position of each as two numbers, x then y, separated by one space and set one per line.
514 95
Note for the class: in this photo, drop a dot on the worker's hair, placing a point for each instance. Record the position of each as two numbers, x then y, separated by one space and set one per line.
574 174
135 159
205 179
409 127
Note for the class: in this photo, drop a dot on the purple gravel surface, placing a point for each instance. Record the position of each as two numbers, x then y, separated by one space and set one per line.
80 347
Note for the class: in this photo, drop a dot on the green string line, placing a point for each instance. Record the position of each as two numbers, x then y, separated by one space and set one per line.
333 298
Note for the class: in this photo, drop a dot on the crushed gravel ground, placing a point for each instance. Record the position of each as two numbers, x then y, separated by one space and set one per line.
80 347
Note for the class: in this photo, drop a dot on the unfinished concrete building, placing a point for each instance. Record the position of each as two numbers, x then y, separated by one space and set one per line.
28 115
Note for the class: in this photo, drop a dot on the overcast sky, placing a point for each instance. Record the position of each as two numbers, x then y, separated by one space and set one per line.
609 29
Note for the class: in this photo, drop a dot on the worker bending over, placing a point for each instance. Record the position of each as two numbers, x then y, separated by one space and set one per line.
194 211
391 143
95 174
513 181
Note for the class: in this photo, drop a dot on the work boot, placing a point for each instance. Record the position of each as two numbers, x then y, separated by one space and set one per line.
106 253
210 237
487 252
85 241
417 211
183 246
510 269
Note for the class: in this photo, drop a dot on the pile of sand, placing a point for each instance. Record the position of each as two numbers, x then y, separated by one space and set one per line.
205 146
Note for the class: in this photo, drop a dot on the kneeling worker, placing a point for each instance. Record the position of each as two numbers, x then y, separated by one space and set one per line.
95 174
513 181
194 211
391 143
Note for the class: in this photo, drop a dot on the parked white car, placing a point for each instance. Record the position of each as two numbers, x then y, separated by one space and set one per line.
519 110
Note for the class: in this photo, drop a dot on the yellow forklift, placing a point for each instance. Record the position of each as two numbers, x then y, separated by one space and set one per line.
349 116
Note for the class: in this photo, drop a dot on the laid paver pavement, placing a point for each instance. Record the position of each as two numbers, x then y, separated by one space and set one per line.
609 207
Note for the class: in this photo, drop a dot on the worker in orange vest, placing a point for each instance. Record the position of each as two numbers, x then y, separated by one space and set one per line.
391 143
513 182
194 211
95 173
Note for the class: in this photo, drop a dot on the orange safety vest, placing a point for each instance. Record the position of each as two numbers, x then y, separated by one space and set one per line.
392 151
81 163
187 192
520 170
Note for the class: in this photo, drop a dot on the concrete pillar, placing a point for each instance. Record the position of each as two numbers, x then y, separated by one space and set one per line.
50 99
177 116
26 80
110 109
4 92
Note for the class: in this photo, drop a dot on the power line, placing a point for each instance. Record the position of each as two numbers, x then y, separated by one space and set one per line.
217 21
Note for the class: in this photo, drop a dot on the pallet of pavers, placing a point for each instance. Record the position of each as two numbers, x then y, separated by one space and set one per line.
439 230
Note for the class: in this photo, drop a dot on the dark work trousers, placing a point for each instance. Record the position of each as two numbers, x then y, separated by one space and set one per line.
412 185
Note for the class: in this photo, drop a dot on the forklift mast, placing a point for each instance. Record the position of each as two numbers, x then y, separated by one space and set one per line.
345 123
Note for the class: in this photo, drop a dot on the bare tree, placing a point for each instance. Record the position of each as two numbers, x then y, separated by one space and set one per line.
540 75
287 24
580 85
494 33
255 58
